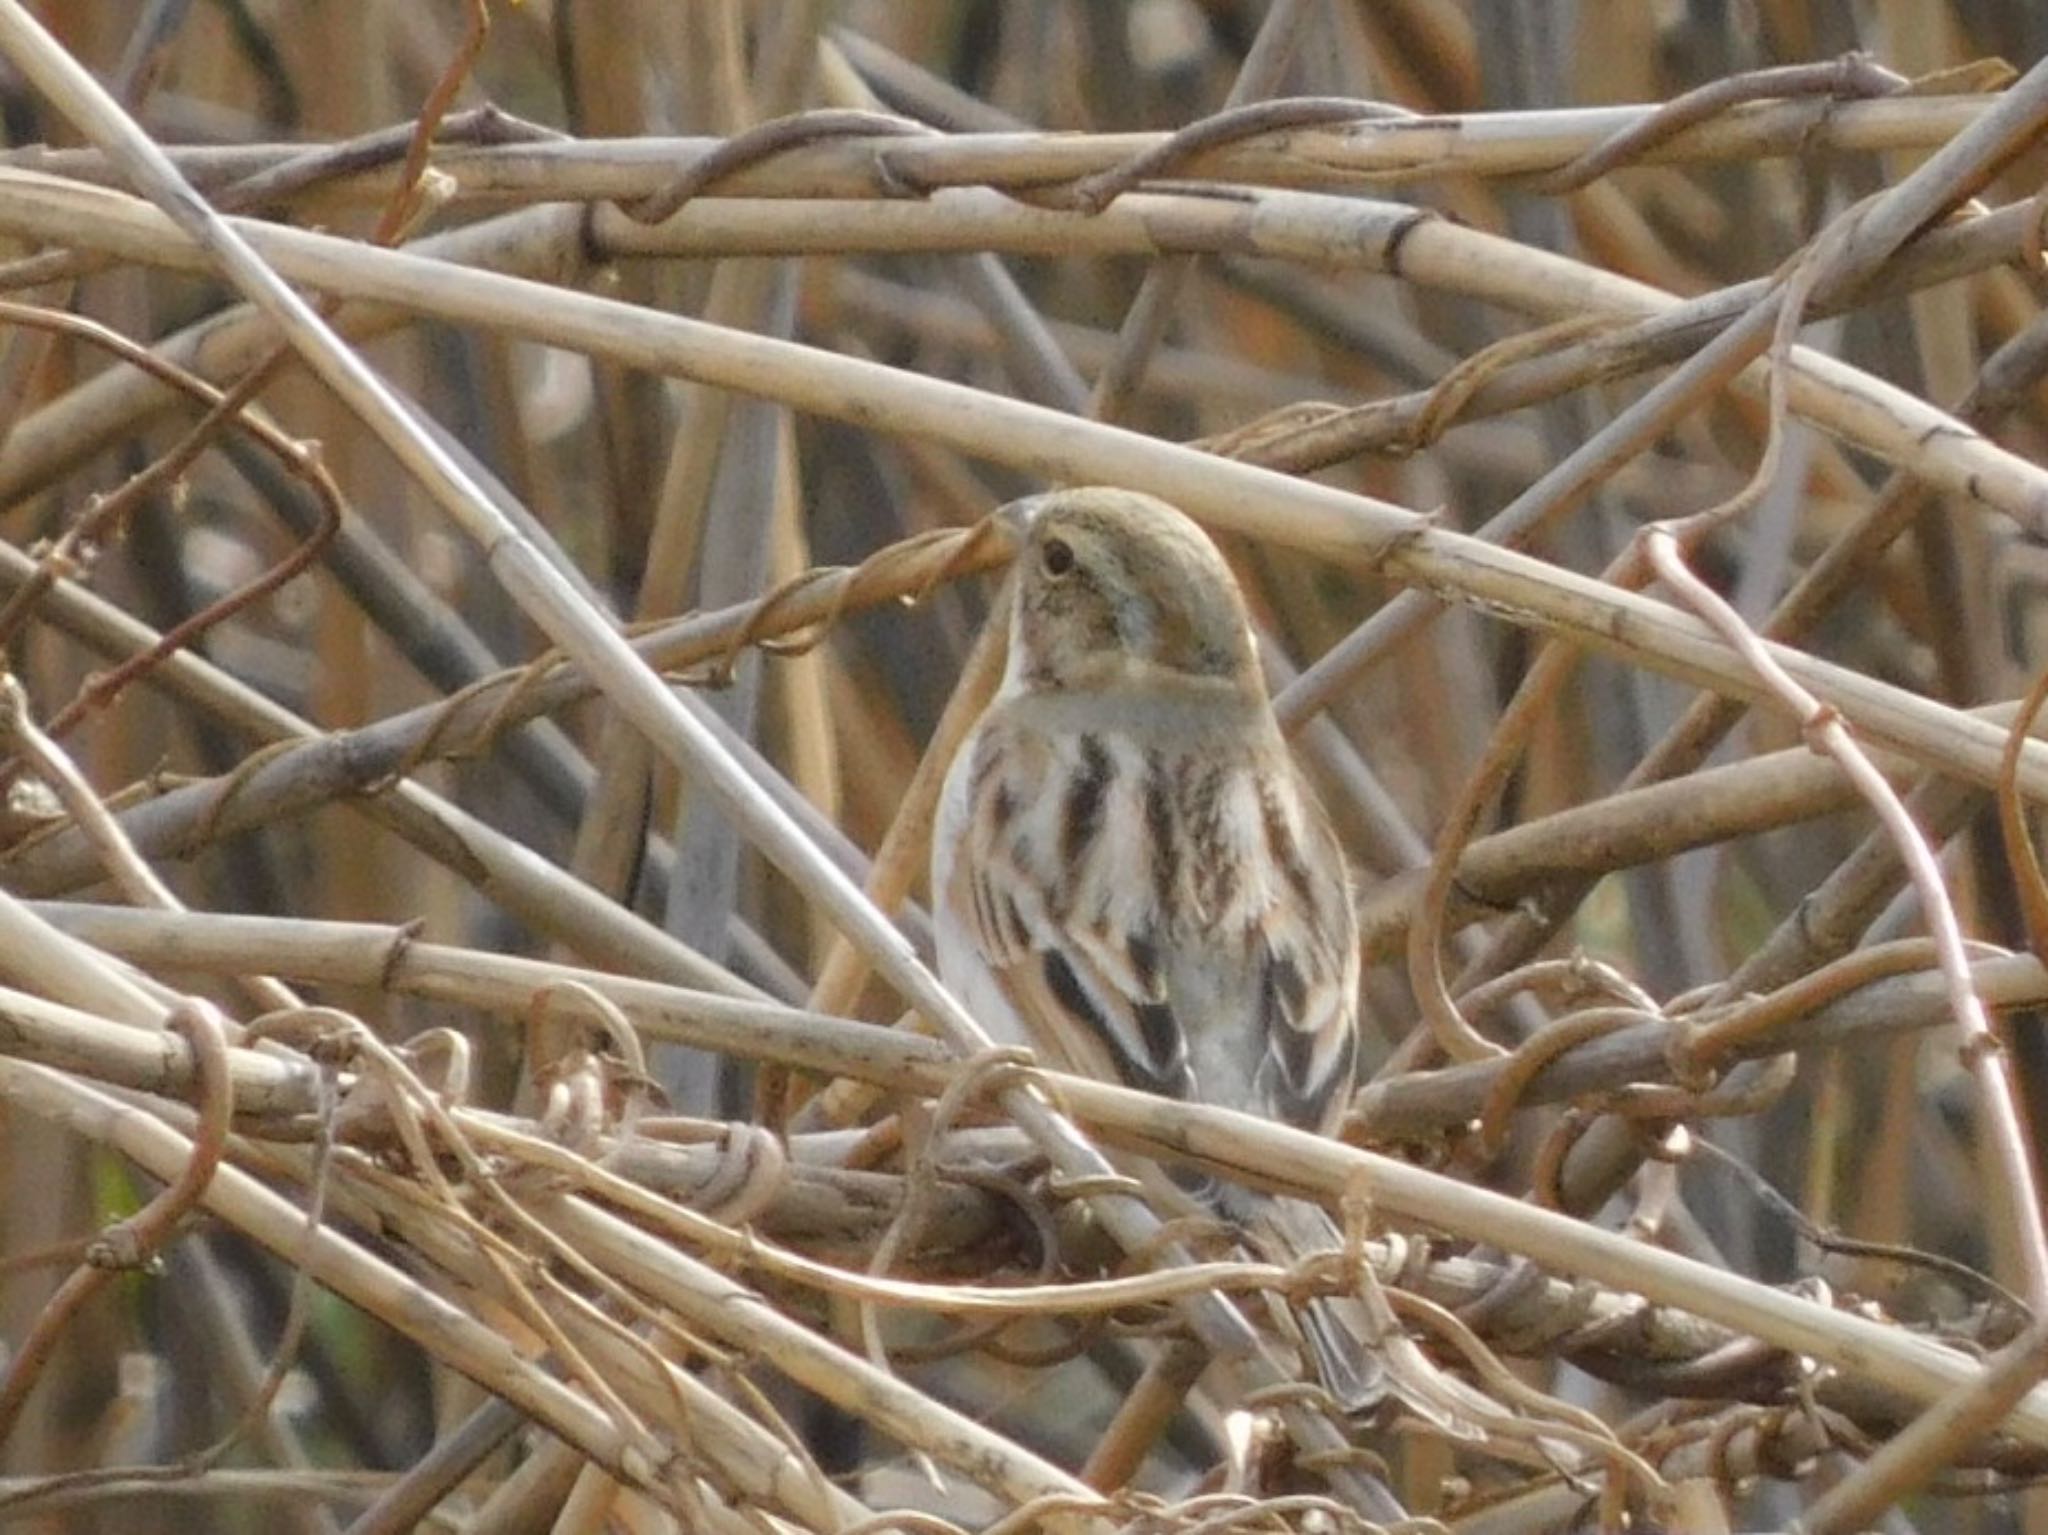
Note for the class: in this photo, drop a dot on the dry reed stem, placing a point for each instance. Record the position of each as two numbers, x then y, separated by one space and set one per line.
133 1242
1370 151
1261 1153
1066 1089
1932 1441
259 1072
1885 990
1644 1064
1348 528
1981 1050
1877 417
540 590
455 1337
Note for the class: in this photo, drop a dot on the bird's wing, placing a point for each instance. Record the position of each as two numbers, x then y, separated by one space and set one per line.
1092 998
1305 997
1235 987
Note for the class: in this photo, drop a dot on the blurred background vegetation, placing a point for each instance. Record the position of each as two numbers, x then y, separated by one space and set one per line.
1264 294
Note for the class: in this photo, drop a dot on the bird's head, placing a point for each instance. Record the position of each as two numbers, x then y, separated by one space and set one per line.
1115 587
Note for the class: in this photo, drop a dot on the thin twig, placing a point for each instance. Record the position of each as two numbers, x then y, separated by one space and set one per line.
1982 1052
132 1243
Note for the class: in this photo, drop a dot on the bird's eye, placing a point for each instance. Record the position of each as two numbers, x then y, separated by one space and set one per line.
1057 557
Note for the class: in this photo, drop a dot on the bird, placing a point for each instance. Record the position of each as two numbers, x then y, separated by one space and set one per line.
1131 874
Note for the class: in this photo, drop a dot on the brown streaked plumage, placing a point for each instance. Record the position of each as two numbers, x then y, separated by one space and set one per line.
1133 852
1131 874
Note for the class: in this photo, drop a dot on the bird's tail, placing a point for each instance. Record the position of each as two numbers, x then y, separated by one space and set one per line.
1345 1361
1361 1353
1342 1342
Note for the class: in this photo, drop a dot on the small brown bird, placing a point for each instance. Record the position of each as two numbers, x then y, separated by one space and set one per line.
1132 875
